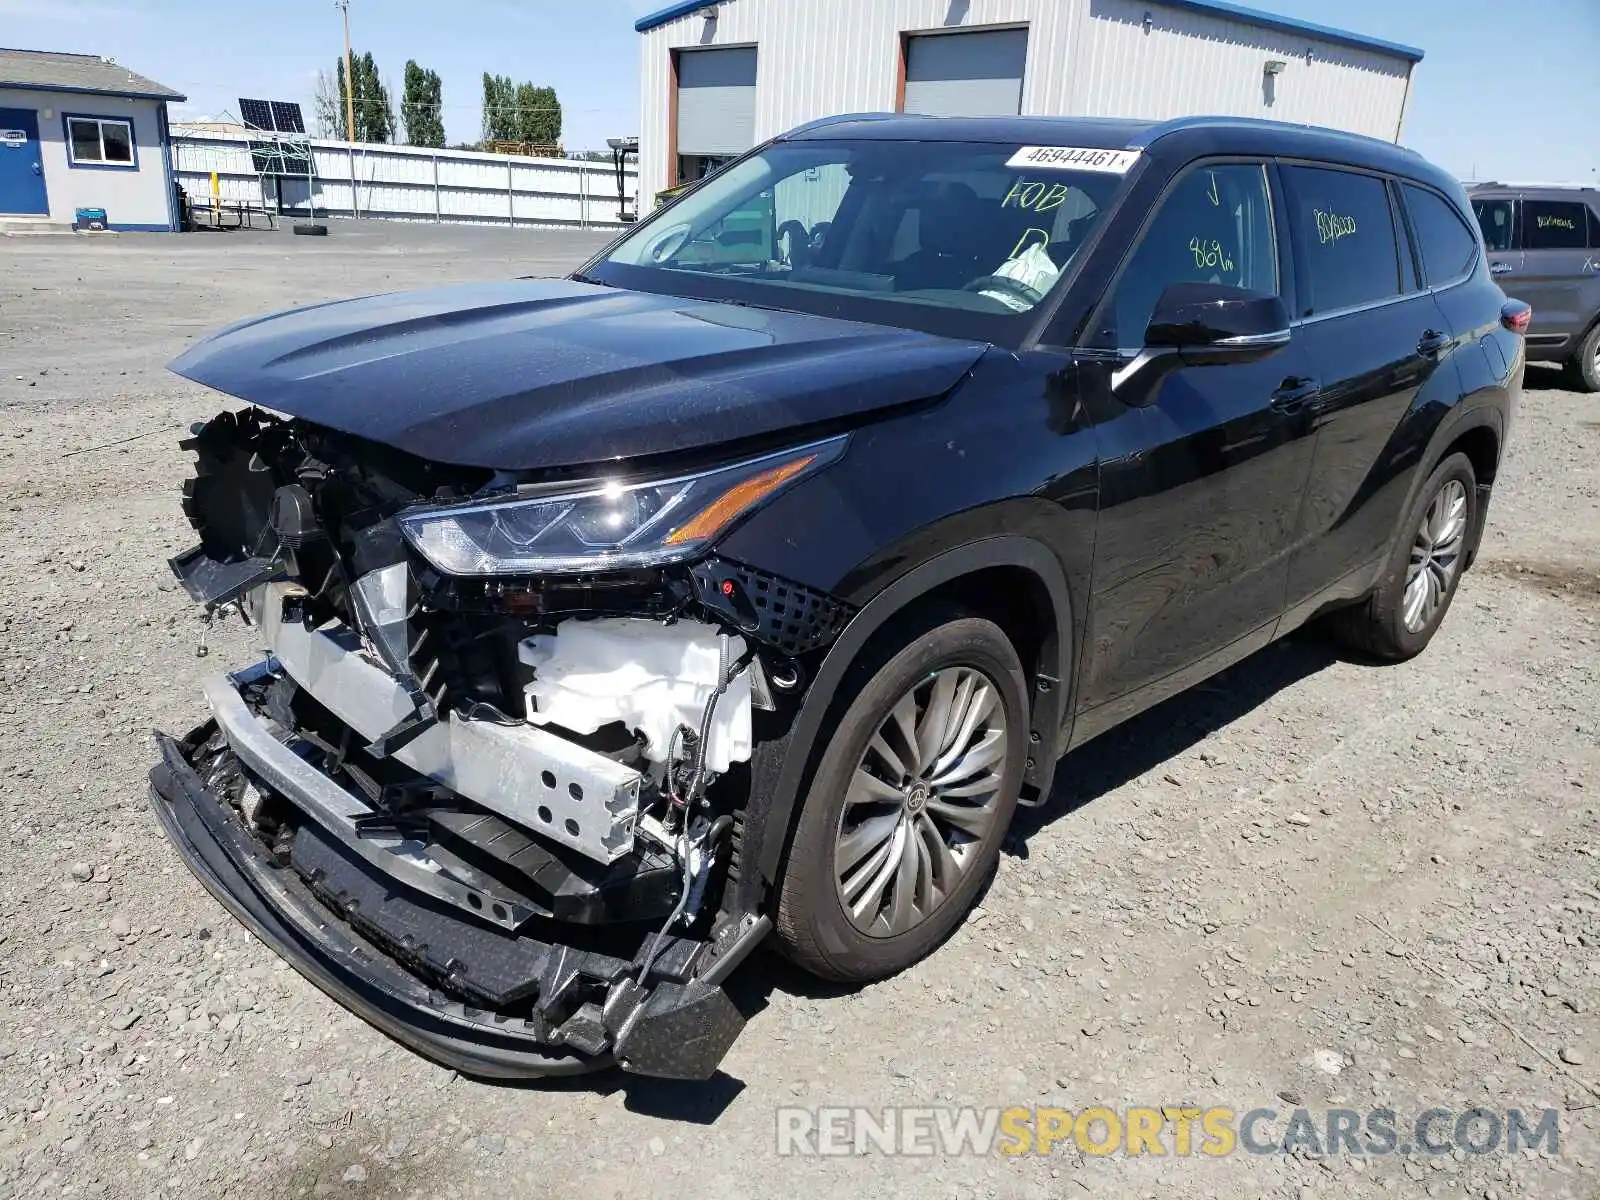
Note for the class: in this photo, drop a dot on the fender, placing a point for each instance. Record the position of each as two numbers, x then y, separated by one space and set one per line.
770 829
1462 418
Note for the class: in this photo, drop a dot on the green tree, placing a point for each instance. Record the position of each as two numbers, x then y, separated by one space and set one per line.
538 115
499 109
520 112
421 106
374 112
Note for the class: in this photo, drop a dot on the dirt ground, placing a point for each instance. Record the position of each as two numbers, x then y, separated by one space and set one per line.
1311 881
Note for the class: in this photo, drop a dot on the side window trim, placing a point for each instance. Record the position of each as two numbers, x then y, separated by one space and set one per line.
1291 284
1411 241
1087 332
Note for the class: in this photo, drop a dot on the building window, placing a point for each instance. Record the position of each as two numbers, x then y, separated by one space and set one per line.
100 142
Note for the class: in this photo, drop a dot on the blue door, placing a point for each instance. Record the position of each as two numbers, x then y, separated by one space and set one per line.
21 164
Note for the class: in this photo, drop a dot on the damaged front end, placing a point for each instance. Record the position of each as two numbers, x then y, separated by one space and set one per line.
489 786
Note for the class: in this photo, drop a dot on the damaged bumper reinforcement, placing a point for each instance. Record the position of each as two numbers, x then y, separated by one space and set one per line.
341 922
377 911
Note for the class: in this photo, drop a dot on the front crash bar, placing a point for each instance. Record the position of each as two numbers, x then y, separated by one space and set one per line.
336 810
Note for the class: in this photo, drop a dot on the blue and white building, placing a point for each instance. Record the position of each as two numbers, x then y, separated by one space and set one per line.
82 132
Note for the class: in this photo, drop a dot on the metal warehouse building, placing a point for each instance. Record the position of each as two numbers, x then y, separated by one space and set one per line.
80 132
718 77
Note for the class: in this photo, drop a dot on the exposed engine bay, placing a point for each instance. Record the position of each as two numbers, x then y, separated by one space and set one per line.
525 792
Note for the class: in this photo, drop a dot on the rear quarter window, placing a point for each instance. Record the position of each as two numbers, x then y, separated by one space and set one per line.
1447 245
1344 231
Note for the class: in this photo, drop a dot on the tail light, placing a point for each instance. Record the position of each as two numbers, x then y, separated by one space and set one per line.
1515 315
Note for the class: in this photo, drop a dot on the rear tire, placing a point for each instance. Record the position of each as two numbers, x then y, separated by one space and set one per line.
1583 368
1422 570
913 793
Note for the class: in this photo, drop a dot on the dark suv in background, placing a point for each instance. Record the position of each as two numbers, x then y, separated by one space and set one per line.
745 581
1544 248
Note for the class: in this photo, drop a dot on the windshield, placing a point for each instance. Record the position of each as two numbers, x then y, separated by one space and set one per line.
897 232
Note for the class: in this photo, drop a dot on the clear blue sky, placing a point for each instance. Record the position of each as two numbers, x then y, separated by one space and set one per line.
1509 88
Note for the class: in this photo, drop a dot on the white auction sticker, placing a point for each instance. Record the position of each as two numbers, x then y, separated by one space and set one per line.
1074 158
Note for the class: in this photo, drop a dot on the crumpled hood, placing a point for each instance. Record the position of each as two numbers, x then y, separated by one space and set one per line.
539 373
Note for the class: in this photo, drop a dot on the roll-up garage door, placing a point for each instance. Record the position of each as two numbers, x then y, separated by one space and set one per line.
716 101
966 74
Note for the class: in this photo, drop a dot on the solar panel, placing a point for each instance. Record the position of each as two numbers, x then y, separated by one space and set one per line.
268 158
256 114
286 117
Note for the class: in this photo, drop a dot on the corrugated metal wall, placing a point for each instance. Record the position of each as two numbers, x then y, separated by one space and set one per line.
411 183
1193 63
1089 57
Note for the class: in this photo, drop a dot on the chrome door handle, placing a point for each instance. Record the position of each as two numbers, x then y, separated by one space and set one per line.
1500 268
1293 393
1432 343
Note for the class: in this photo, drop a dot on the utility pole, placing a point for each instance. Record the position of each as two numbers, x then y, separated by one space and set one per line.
349 106
349 79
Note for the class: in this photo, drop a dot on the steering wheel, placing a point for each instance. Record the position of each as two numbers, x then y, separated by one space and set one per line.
1004 283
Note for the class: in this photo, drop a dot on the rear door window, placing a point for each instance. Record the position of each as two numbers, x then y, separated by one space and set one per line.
1345 238
1447 245
1554 225
1213 226
1497 220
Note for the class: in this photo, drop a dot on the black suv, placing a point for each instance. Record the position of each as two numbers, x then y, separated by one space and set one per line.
1544 248
741 584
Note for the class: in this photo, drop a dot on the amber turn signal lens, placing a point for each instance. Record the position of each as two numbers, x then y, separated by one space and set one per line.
737 499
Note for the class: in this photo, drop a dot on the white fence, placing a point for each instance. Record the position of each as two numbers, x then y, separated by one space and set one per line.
411 183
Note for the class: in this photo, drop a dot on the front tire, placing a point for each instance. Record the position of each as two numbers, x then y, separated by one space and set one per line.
1422 571
905 814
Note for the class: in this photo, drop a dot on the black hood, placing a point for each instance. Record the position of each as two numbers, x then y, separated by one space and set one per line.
529 374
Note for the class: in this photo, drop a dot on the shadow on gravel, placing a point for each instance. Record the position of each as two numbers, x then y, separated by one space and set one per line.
1545 377
1170 728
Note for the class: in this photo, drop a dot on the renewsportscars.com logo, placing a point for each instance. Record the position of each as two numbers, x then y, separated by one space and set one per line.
1161 1130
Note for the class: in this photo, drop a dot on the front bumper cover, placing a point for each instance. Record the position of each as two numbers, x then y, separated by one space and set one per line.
680 1024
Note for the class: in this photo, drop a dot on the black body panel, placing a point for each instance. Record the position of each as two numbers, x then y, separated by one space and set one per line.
533 374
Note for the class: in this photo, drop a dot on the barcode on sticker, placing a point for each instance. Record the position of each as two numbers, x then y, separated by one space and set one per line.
1074 158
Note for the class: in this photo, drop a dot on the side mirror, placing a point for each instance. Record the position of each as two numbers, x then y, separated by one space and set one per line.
1211 322
1201 324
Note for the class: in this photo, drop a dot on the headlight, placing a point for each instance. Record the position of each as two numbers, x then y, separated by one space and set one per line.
606 525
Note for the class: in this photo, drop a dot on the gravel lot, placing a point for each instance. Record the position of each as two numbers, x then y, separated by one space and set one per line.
1398 867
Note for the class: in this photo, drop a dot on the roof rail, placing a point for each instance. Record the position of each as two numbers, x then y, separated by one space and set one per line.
1173 124
841 119
1532 183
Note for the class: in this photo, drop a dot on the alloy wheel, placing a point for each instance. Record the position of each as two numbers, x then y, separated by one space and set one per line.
921 802
1435 556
